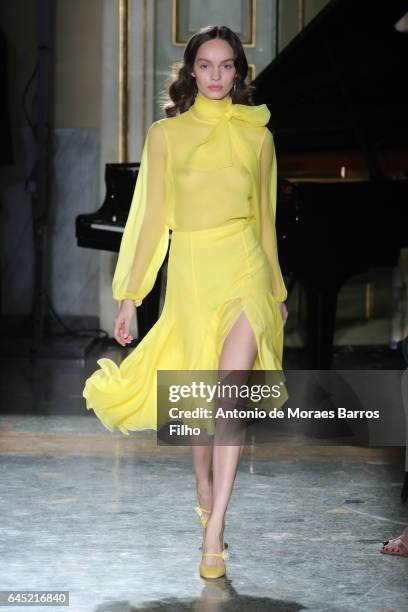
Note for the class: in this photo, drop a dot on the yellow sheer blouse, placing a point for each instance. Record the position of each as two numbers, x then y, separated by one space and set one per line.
207 166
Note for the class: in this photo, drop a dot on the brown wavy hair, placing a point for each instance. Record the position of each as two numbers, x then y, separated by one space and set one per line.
181 88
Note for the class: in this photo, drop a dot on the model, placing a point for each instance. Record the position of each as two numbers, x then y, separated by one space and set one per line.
208 174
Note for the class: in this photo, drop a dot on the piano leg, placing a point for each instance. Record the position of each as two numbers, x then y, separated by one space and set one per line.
321 306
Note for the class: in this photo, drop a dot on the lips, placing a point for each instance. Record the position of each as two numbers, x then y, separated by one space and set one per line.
215 87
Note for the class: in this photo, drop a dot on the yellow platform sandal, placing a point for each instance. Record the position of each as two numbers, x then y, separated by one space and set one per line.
214 571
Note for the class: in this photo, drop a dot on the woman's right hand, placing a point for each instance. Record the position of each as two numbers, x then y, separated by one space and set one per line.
123 322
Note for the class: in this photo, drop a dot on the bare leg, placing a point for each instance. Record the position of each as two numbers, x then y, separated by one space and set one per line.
238 353
202 461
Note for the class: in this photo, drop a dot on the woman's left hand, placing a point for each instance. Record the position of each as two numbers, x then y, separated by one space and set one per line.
283 311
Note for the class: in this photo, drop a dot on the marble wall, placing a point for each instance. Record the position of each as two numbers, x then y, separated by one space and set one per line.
72 272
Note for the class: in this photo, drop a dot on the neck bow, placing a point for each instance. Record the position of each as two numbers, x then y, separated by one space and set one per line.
225 123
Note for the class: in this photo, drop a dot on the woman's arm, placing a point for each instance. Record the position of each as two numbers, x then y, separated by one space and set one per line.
268 195
146 236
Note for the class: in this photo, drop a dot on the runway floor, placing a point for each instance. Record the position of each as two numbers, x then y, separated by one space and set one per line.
110 518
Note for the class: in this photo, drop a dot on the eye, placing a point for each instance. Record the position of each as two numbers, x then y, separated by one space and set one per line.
228 65
203 65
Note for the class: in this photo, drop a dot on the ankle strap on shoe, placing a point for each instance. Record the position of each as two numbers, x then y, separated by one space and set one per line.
200 510
224 554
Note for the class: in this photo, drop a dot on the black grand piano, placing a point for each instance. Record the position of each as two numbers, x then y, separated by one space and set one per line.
338 98
338 102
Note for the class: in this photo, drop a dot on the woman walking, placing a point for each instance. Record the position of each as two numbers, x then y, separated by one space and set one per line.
208 174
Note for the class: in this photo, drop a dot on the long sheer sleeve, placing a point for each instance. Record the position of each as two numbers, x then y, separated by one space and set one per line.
268 195
146 235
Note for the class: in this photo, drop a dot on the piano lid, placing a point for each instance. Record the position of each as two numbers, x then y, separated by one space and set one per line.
340 84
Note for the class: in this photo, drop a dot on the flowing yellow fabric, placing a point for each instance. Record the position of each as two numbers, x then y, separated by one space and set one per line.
209 176
145 238
180 175
267 214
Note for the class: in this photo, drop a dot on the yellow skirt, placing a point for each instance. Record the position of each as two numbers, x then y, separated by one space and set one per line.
212 276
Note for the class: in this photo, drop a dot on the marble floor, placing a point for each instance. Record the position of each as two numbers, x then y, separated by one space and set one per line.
110 518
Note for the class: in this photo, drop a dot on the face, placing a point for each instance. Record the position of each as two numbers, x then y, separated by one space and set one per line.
214 69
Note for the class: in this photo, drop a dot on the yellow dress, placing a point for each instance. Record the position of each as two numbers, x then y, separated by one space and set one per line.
209 176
